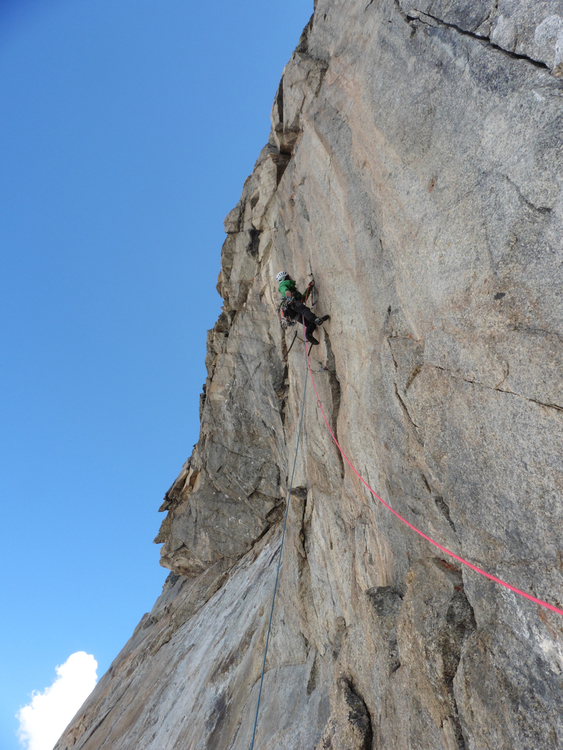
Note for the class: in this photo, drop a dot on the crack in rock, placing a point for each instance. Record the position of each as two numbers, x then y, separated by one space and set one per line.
412 423
460 624
556 407
482 39
440 503
406 413
444 509
387 602
539 209
349 726
406 18
336 393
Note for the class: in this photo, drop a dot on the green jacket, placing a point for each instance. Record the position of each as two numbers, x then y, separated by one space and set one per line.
288 285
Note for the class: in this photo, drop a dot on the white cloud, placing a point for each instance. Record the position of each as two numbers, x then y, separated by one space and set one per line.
44 720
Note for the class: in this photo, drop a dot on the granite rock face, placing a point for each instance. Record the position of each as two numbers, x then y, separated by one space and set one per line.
415 167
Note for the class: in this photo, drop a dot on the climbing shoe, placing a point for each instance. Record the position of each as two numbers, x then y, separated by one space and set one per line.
311 339
320 321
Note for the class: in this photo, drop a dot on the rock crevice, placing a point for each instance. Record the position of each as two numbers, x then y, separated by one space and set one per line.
422 16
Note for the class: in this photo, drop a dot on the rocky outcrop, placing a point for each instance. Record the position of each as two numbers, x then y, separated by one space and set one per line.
415 168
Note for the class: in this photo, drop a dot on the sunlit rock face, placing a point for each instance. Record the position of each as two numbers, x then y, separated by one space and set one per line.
415 168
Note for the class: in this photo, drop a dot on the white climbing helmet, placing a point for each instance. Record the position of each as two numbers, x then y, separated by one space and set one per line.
281 276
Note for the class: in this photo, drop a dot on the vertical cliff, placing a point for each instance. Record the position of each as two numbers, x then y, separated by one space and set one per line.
415 168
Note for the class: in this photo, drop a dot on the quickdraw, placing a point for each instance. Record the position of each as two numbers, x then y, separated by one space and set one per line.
308 292
282 307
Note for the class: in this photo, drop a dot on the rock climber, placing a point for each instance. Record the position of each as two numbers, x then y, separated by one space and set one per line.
294 306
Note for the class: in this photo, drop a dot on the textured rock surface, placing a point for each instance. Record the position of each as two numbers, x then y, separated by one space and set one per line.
415 167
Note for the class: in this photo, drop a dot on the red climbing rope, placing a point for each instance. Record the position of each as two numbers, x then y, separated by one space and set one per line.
421 533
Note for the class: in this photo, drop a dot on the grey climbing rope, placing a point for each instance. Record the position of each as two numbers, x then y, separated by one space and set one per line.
279 563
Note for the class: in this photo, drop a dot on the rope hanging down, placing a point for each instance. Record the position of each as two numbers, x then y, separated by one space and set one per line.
421 533
280 554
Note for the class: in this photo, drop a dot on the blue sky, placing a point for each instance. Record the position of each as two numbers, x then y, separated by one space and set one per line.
127 129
